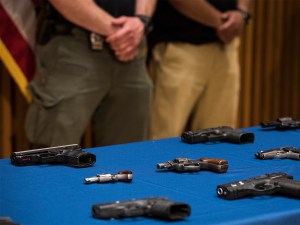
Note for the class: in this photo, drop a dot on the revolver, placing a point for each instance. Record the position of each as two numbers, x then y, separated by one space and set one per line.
155 207
267 184
222 133
279 153
282 123
189 165
69 155
122 176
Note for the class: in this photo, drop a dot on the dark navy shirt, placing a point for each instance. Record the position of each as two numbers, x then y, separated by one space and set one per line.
118 8
171 26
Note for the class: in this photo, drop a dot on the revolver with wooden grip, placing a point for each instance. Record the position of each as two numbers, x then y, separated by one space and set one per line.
189 165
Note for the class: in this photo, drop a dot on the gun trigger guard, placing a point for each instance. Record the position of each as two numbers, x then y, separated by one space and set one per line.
266 189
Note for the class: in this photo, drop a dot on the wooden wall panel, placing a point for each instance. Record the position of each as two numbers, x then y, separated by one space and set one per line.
270 67
5 113
270 62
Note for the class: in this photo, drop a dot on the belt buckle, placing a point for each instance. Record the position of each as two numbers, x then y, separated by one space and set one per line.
96 41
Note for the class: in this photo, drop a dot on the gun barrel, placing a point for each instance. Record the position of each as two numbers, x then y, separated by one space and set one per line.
122 176
205 135
165 165
90 180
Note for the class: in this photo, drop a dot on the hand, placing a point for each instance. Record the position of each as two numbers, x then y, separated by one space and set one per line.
232 26
126 39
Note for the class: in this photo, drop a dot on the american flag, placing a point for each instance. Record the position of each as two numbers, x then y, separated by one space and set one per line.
17 40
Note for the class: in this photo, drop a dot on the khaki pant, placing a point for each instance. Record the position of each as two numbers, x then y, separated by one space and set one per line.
194 84
76 85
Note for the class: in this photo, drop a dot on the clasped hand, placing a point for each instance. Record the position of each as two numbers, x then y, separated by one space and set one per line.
128 33
231 27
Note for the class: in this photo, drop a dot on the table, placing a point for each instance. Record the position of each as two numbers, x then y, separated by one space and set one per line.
56 194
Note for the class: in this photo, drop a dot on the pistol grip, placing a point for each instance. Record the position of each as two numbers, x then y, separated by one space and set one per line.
217 165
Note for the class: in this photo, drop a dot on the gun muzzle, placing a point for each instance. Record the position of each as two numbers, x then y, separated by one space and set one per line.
259 155
222 192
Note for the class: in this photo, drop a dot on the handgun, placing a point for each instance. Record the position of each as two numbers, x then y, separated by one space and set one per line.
267 184
155 207
222 133
69 155
122 176
279 153
282 123
189 165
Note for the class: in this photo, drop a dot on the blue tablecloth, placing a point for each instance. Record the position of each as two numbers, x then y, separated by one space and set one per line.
55 194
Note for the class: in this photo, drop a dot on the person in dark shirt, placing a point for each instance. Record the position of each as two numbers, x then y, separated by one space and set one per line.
194 64
91 66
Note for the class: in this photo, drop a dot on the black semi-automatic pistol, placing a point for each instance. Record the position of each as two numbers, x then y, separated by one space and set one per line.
268 184
223 133
69 155
279 153
155 207
282 123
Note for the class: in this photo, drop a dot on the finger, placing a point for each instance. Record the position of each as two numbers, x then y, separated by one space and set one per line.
127 57
117 37
224 16
123 44
224 26
119 21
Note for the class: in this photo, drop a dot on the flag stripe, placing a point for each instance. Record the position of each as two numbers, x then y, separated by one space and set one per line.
14 70
23 14
17 45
